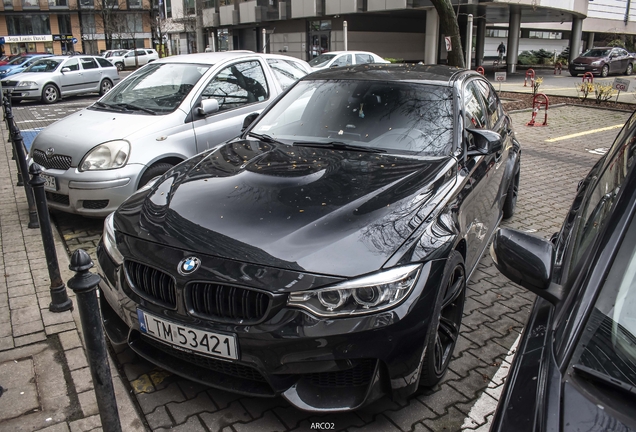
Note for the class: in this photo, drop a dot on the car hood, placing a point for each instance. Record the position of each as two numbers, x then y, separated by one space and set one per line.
316 210
8 67
96 127
588 60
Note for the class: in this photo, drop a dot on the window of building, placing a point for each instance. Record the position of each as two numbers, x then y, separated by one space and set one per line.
28 25
111 4
58 3
88 24
8 4
320 25
134 3
225 2
496 33
64 24
188 7
134 23
30 4
545 35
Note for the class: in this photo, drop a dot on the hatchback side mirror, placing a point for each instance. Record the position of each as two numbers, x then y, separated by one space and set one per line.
65 69
486 142
249 120
208 106
526 260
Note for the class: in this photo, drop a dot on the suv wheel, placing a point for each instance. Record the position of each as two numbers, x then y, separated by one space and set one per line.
120 66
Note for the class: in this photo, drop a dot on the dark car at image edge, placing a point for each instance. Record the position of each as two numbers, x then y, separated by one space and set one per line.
323 254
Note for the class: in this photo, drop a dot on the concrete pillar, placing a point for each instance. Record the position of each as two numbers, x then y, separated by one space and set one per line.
431 41
590 41
480 42
512 50
575 37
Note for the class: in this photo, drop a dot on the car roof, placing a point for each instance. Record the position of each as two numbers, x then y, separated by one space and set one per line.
349 52
435 74
209 58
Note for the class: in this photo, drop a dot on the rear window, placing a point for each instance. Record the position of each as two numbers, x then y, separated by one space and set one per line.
104 63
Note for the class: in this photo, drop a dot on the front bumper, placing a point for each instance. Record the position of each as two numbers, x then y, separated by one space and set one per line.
317 364
93 194
582 68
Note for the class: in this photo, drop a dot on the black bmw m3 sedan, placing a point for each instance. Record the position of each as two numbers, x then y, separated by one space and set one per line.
322 255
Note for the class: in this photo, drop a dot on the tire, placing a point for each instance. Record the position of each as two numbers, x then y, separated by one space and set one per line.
605 71
630 69
513 192
154 171
444 328
105 86
50 94
120 66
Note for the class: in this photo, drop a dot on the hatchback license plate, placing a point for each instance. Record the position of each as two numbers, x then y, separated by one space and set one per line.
579 68
50 182
188 338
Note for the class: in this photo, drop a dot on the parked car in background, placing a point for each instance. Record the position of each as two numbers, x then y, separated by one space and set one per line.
603 61
52 78
113 53
19 64
575 366
344 58
133 58
5 59
323 255
158 116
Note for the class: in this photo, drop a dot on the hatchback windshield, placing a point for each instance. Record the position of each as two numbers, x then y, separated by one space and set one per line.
18 61
400 117
154 89
44 65
596 53
321 60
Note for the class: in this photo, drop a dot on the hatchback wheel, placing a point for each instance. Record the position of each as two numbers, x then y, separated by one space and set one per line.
154 171
444 328
630 69
511 197
105 87
605 71
50 94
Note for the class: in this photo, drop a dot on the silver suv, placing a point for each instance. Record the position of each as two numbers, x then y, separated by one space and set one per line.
133 58
160 115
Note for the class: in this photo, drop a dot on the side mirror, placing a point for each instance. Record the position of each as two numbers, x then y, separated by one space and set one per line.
486 142
208 106
526 260
65 69
249 120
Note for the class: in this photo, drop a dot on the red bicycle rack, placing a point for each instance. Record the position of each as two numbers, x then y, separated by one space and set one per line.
558 66
536 106
481 70
529 73
589 76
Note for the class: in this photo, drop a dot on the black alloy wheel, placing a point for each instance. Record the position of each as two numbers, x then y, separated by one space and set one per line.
444 329
605 71
513 192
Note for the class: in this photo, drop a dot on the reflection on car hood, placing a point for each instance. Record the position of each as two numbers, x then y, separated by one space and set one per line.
308 209
96 127
587 60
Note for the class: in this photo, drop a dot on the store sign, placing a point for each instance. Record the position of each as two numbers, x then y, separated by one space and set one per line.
29 38
62 37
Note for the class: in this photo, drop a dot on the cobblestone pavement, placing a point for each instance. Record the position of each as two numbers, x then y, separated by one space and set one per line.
494 313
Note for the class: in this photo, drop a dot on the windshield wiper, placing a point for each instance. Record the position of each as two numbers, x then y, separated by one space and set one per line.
265 138
338 145
109 106
131 107
602 378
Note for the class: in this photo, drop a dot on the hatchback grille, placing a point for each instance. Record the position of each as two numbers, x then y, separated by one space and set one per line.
152 284
356 376
9 83
225 302
54 162
95 204
57 198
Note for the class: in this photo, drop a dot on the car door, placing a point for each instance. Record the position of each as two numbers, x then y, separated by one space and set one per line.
241 88
141 55
363 58
72 77
615 61
476 218
91 73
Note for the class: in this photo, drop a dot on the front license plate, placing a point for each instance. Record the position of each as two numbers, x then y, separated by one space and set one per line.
188 338
579 68
50 182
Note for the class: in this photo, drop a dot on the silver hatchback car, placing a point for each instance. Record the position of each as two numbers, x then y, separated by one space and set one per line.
52 78
160 115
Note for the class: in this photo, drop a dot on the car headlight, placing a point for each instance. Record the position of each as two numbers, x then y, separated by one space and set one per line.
110 244
109 155
364 295
597 63
27 84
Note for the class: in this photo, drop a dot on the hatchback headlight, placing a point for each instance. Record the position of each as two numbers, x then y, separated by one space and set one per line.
597 63
27 84
109 155
359 296
110 244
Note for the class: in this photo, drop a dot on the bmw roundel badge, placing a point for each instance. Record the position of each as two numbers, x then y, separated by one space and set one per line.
188 265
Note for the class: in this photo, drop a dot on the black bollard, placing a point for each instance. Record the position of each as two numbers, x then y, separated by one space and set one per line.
18 148
84 285
59 299
11 126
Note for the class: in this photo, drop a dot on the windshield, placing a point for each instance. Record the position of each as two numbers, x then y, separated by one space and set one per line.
321 60
398 117
596 53
115 53
44 65
159 88
18 61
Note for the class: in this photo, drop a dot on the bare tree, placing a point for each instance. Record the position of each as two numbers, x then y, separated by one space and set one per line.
449 27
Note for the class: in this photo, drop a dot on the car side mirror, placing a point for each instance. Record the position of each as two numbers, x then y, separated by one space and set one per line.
526 260
208 106
249 120
486 142
65 69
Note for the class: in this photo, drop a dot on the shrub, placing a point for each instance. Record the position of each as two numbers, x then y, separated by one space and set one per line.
584 89
394 60
603 92
527 58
